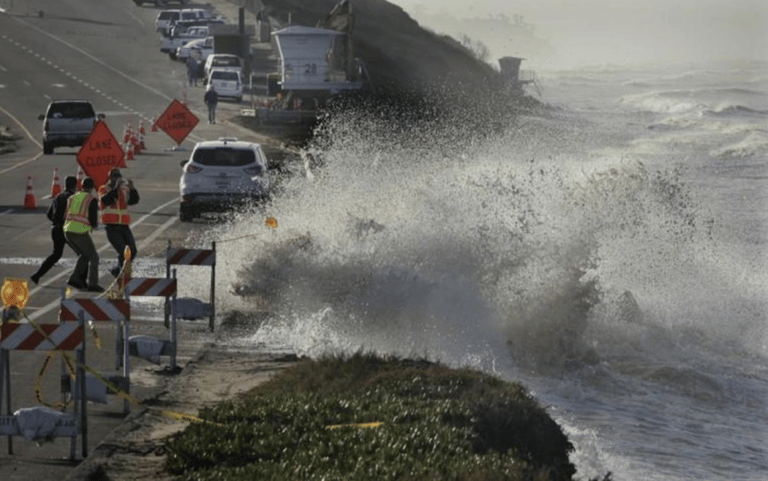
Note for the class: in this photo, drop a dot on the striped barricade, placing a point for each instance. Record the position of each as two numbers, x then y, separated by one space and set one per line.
44 423
156 287
195 257
99 310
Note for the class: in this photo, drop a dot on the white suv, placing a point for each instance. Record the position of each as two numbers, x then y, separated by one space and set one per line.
222 61
221 174
226 83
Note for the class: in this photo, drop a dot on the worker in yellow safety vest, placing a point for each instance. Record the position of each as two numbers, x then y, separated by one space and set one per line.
81 218
116 195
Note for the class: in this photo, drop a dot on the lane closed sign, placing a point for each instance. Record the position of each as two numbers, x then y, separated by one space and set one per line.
100 153
177 121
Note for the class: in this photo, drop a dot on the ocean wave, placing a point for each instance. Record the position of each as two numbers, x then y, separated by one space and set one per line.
752 145
662 102
734 110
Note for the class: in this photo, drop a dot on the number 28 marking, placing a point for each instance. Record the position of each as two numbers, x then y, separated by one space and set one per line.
310 69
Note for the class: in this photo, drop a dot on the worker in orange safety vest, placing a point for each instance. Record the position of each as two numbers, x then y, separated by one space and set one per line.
115 196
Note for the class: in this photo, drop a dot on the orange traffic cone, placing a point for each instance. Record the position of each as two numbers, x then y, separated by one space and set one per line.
80 176
127 133
154 125
56 185
128 151
141 136
29 199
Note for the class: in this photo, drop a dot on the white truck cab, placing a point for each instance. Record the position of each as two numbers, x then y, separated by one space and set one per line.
171 43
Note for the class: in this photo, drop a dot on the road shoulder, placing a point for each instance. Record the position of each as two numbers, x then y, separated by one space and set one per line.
136 449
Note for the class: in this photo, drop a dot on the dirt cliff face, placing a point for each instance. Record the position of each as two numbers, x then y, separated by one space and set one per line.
399 54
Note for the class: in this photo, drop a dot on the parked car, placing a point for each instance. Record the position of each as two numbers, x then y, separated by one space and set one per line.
203 46
67 123
222 174
158 3
171 43
167 18
222 61
226 83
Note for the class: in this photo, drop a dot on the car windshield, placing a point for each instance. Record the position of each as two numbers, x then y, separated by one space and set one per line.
77 110
226 62
224 156
219 75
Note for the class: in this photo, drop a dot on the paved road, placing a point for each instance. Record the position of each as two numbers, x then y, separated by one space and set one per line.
105 52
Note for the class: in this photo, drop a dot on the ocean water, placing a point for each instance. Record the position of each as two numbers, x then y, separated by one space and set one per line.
609 254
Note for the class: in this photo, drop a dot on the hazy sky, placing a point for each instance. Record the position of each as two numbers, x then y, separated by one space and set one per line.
632 31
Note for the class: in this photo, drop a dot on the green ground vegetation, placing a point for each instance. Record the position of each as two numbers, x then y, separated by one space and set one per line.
364 417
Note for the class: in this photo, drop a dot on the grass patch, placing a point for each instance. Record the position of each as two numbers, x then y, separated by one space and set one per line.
308 422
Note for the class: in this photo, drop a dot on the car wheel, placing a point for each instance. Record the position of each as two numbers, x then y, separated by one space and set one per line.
185 214
239 99
172 55
47 148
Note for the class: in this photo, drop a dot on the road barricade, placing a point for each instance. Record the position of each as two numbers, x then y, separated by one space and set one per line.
142 346
195 257
96 309
43 423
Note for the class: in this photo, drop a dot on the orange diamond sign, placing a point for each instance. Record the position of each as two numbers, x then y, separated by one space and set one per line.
177 121
100 153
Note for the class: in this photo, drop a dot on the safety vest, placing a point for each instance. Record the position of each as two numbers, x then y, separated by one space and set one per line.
76 221
116 213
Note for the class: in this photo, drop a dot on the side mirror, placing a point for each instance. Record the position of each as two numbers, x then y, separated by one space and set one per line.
101 116
183 162
41 117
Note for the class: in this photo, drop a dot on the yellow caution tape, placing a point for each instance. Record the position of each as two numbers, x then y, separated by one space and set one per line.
111 386
356 425
95 334
38 385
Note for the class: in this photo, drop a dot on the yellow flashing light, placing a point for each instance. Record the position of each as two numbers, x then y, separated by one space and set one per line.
271 222
15 293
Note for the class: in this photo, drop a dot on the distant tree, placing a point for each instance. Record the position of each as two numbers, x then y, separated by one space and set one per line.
477 48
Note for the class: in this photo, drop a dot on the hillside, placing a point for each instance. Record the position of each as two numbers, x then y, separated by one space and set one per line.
399 53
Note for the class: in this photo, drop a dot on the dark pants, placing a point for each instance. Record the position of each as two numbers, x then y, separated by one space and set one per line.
59 241
120 235
211 113
87 259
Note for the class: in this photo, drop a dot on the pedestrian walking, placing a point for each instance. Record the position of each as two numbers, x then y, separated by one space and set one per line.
81 218
192 70
211 98
115 196
56 213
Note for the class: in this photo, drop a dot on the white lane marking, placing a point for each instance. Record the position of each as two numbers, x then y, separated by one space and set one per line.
97 60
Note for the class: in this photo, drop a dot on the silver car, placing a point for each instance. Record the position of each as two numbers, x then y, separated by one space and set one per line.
67 123
222 174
